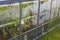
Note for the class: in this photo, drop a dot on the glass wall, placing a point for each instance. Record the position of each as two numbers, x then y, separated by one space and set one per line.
28 20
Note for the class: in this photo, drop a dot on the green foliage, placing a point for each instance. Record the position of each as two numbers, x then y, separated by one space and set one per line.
53 35
4 8
53 22
27 4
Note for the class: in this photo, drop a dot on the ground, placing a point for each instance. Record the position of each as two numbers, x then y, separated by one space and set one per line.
53 35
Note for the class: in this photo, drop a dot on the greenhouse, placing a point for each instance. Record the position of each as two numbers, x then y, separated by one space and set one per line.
29 19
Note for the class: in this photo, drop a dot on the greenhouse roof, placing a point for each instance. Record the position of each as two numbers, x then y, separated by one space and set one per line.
8 1
14 1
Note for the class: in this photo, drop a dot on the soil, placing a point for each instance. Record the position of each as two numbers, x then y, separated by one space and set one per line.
1 36
4 38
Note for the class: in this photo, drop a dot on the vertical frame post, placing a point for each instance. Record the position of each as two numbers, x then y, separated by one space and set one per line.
20 5
38 17
50 13
58 12
50 9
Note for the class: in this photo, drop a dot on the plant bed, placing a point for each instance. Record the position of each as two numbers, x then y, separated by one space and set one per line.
14 28
53 35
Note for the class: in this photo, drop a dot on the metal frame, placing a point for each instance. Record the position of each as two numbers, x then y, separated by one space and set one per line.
38 17
20 1
21 27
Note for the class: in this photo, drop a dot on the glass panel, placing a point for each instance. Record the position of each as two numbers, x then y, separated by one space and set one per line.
39 31
7 15
29 23
29 9
46 28
31 35
9 20
29 15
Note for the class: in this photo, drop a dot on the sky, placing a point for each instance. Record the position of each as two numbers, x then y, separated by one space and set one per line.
2 0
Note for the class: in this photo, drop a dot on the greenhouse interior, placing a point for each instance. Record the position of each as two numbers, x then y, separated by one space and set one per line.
29 19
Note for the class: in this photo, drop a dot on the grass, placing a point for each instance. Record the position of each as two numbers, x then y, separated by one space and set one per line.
53 35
